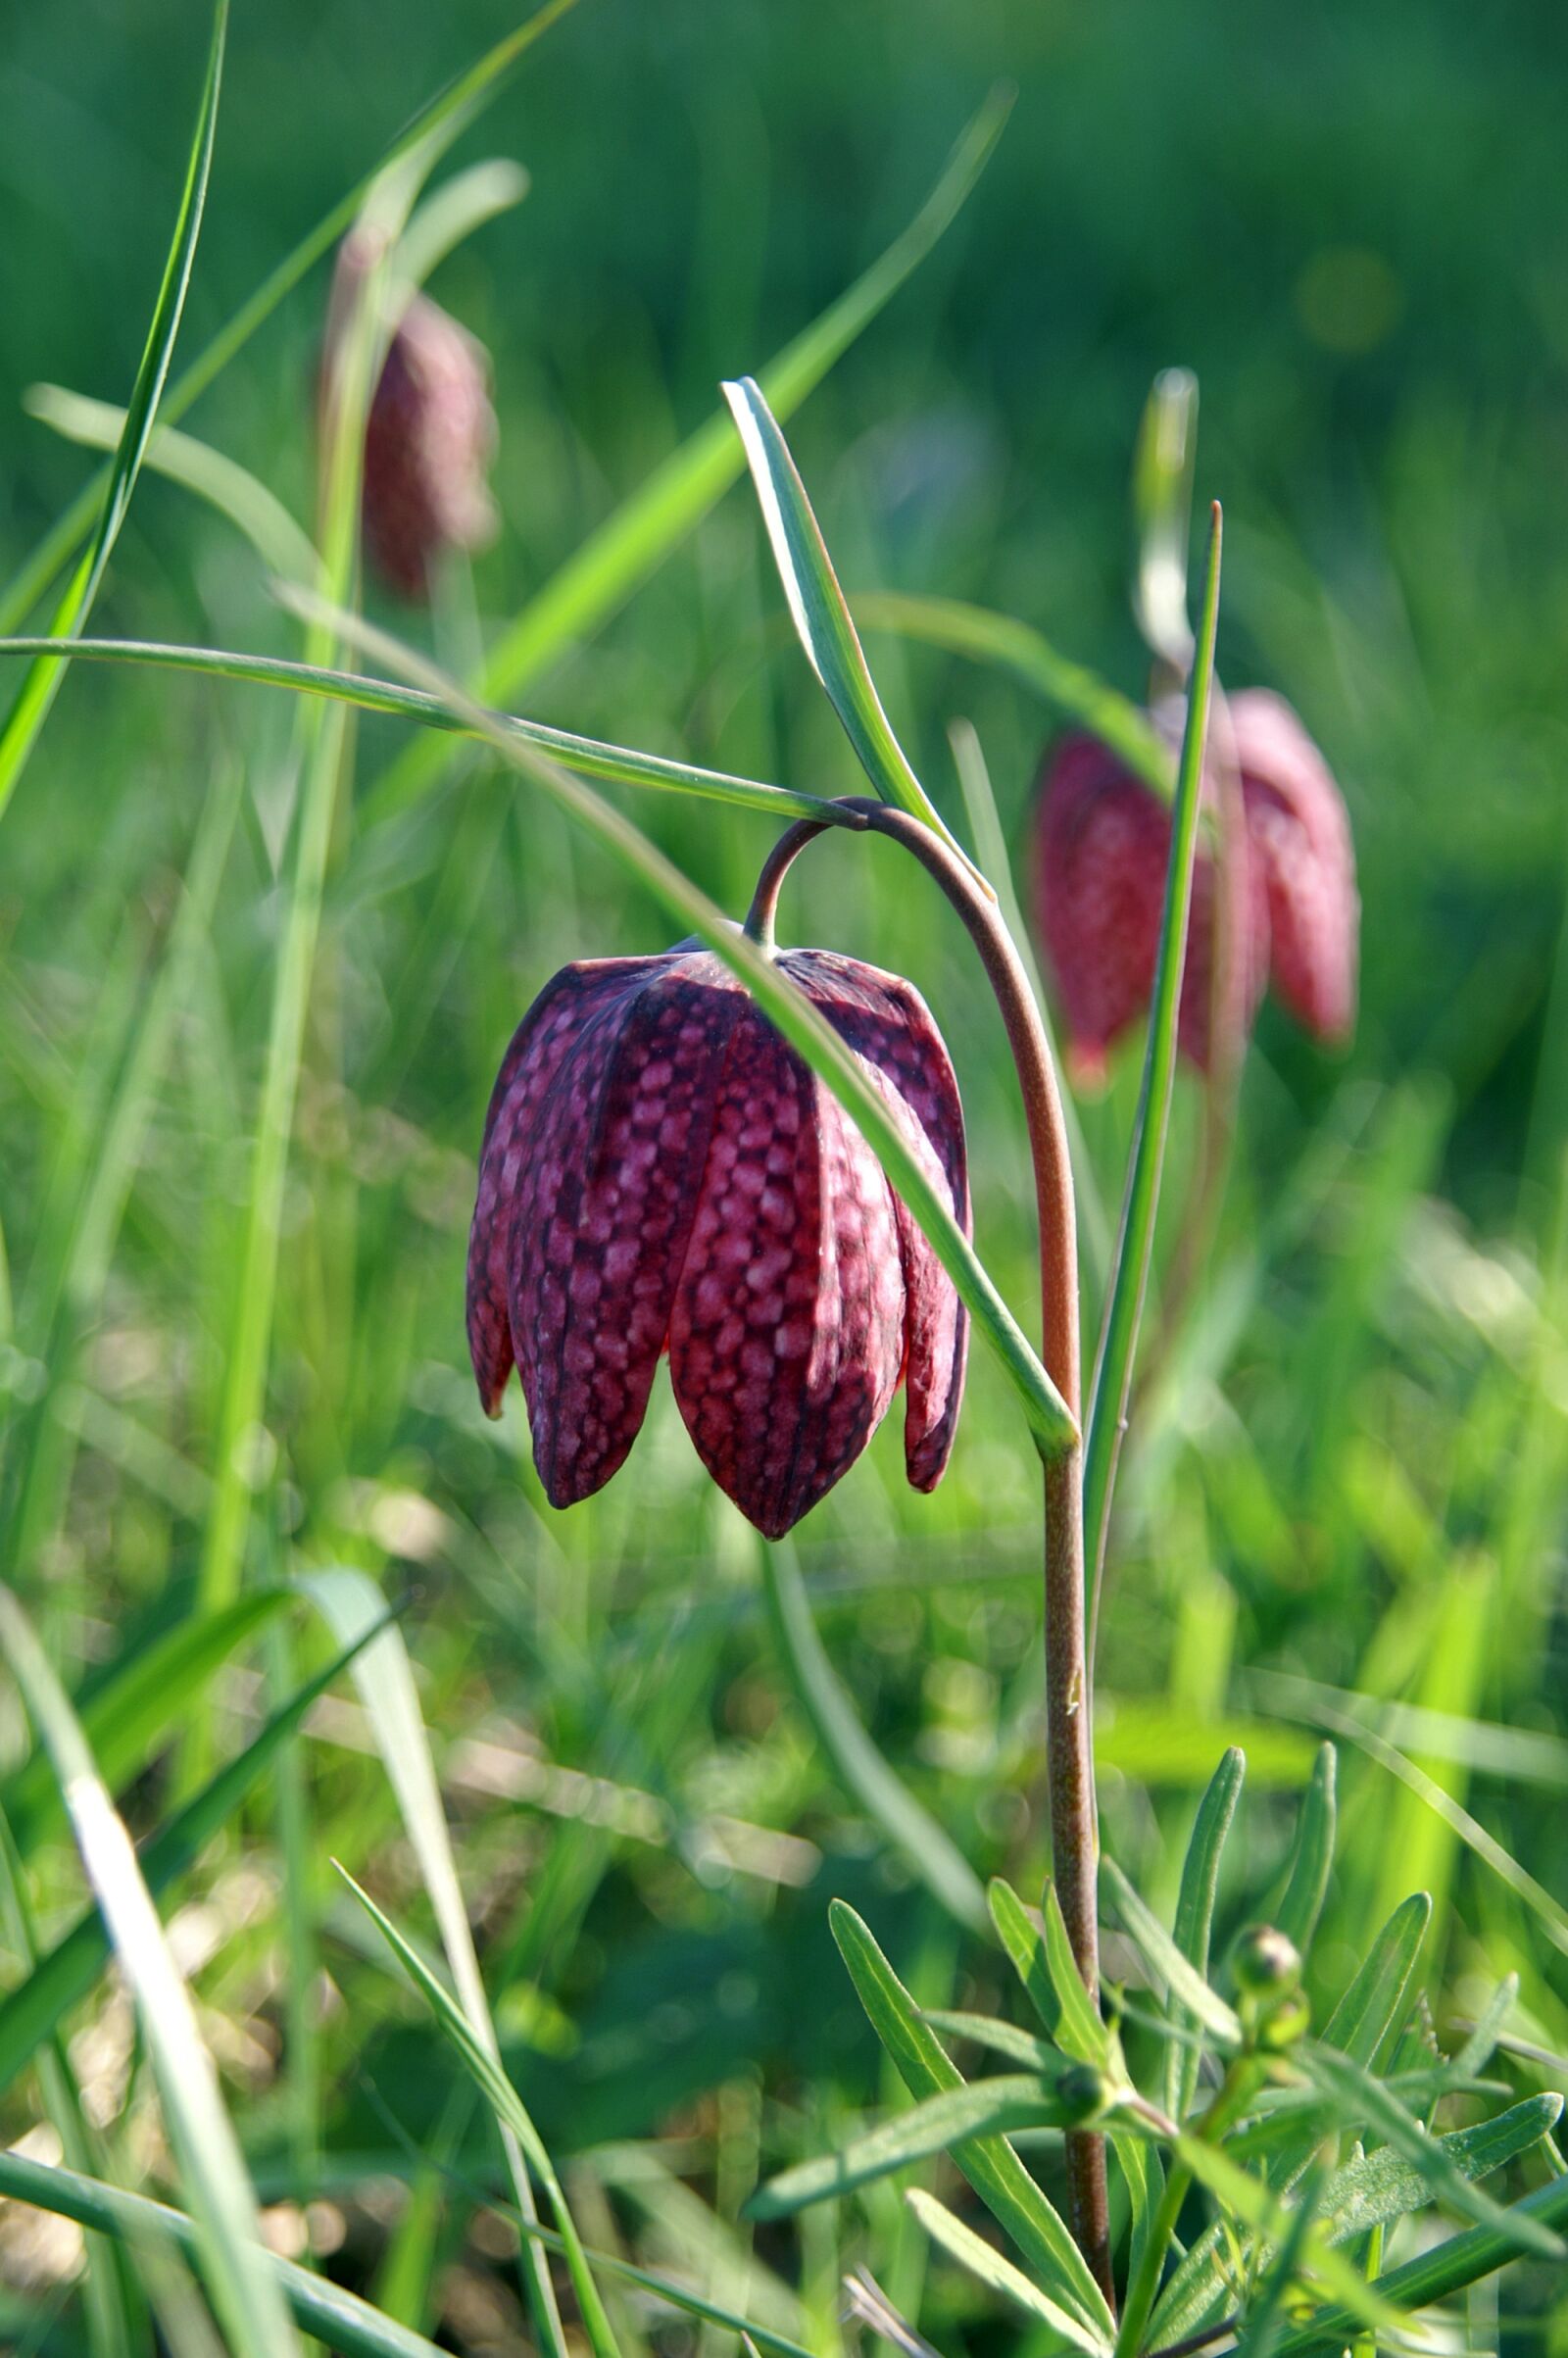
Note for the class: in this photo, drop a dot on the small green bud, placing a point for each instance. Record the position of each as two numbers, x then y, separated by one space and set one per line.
1266 1964
1082 2092
1284 2022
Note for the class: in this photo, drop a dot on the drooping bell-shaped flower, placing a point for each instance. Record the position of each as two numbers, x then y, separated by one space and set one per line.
1101 847
428 442
1300 833
662 1172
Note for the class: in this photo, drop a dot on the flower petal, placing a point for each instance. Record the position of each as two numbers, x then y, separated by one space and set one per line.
1301 837
887 1022
787 1334
600 1224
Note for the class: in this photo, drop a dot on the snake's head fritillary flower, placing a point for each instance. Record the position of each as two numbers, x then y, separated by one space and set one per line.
663 1172
1101 847
1301 837
428 442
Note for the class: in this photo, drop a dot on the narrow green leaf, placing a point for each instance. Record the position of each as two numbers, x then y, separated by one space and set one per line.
507 2106
41 683
340 2319
629 546
430 132
998 2274
1435 2275
925 1847
1312 1857
1112 1388
1266 2309
1022 1940
451 214
1479 2047
1187 1988
1368 2017
30 2011
817 609
1364 2099
1000 2038
1051 1421
1006 645
991 2165
1251 2202
679 2297
585 756
1042 1959
243 2291
1379 2187
1163 506
987 2107
1195 1912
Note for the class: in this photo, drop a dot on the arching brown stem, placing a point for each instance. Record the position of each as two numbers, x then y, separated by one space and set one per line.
1074 1820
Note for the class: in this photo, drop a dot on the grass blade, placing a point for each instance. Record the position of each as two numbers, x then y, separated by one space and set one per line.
29 2013
1194 1914
991 2165
998 2274
584 757
1050 1419
596 581
1134 1244
988 2108
1313 1857
431 129
927 1847
817 609
508 2107
243 2289
1187 1988
42 680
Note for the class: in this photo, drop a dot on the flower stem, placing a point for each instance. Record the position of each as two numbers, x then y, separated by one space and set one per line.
1074 1818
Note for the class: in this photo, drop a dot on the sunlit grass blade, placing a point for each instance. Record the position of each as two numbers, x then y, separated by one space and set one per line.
1195 1912
338 2318
1376 2188
1188 1989
243 2289
430 132
1162 504
1362 2099
67 1972
990 2164
1250 2202
585 756
927 1847
1312 1855
509 2108
989 2267
988 2108
354 1609
1134 1243
629 546
1004 644
1050 1419
284 546
817 607
42 682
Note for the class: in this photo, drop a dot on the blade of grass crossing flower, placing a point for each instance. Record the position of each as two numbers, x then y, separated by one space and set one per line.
1050 1419
1134 1244
1004 644
1195 1913
1188 1989
817 607
998 2274
1312 1854
508 2107
432 130
585 756
243 2289
31 2012
990 2164
457 208
353 1607
924 1846
41 683
601 574
340 2319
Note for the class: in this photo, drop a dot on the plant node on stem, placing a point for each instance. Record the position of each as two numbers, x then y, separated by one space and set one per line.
1074 1820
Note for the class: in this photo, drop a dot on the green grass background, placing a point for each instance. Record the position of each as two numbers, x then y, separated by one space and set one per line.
1344 222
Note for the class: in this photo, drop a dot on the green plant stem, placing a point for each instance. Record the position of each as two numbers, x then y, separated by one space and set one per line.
1234 2091
1074 1819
